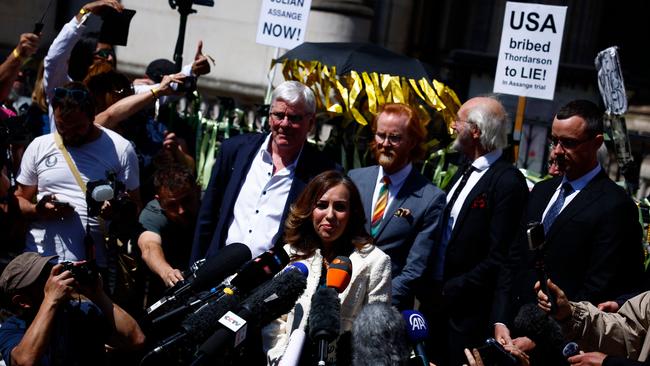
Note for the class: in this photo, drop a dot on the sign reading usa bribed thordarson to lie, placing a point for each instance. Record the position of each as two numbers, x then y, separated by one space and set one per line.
283 23
529 54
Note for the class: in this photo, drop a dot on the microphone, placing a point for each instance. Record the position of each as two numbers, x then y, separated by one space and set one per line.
324 319
266 303
534 323
570 349
379 336
214 270
417 332
339 273
251 274
198 325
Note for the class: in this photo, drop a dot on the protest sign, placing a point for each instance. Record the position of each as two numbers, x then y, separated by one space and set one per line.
283 23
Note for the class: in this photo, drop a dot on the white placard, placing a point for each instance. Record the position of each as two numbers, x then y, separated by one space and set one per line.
283 23
529 54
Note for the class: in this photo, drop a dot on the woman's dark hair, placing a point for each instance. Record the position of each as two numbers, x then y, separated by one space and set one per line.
299 230
107 81
82 57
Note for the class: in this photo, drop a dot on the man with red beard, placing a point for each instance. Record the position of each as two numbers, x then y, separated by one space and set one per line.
484 206
257 176
403 209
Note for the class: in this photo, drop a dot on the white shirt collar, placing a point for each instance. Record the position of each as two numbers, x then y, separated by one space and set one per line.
397 178
483 162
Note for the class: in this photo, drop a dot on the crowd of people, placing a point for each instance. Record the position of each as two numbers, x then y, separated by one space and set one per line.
102 217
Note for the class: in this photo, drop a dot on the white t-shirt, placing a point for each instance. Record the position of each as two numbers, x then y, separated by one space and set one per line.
44 165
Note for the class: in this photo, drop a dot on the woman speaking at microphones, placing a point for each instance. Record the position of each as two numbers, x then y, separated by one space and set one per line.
324 228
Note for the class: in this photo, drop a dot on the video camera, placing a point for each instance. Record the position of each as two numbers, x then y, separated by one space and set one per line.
109 189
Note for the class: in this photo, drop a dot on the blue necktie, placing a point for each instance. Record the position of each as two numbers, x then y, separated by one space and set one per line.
556 207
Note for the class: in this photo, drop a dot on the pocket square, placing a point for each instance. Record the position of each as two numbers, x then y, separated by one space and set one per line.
403 212
480 201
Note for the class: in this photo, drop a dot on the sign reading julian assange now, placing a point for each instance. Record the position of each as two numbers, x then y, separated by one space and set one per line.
283 23
529 54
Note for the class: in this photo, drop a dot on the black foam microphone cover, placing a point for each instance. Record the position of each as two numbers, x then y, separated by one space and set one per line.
325 315
260 269
217 268
276 297
267 302
205 320
534 323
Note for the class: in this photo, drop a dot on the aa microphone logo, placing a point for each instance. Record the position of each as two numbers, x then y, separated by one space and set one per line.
417 322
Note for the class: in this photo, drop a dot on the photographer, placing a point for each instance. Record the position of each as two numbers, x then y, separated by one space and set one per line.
61 319
608 339
56 169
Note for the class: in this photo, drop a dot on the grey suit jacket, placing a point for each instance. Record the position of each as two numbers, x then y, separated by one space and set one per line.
408 239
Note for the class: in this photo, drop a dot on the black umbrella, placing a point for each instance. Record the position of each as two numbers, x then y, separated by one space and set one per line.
360 57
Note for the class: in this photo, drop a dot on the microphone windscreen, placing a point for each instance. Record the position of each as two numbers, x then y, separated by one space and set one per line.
416 326
275 298
570 349
339 273
217 268
299 266
325 315
534 323
260 269
379 337
205 320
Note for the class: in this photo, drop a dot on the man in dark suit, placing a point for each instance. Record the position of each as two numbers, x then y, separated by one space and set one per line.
257 176
483 208
412 206
593 237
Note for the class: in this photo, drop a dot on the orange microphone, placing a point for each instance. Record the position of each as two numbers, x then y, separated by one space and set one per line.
339 273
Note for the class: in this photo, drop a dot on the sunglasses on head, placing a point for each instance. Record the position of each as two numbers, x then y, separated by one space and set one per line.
104 53
74 94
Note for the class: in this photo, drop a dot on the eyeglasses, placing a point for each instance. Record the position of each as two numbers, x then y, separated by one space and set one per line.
104 53
380 137
566 143
293 118
77 95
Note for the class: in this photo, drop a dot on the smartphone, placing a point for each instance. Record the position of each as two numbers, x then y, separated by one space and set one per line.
38 27
535 233
493 354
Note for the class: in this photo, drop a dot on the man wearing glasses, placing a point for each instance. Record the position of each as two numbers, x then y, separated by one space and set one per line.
56 166
592 244
484 206
257 176
402 207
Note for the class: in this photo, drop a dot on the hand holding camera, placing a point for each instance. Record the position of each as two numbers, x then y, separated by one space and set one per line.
59 286
49 207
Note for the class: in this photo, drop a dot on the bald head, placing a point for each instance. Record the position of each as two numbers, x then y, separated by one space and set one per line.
481 126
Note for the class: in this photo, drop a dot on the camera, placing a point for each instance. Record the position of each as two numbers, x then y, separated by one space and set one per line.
109 189
85 273
493 354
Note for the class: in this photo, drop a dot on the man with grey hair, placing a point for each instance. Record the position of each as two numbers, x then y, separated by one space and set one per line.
484 206
257 176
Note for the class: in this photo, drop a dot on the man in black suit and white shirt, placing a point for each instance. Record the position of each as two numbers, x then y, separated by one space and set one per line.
592 244
483 208
257 176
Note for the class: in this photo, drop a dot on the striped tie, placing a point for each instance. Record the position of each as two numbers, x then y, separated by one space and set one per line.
380 207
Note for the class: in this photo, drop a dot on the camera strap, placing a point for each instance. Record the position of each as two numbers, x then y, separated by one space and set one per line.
88 240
